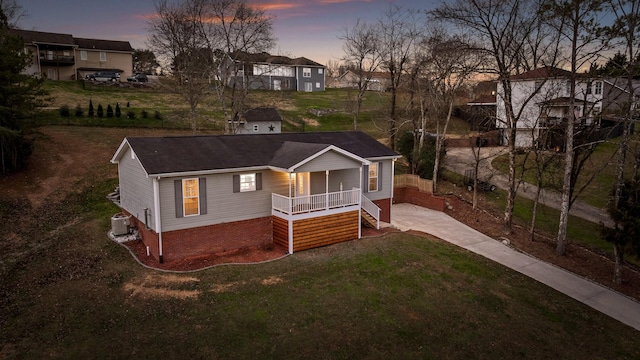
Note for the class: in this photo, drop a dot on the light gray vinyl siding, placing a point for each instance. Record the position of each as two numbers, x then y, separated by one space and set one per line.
330 160
223 205
318 183
349 178
387 179
136 189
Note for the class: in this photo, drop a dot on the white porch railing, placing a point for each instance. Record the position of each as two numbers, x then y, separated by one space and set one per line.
372 209
318 202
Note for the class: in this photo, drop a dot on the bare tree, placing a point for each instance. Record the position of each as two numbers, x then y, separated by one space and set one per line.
198 39
177 35
237 28
454 59
361 49
577 22
398 31
501 30
625 27
12 12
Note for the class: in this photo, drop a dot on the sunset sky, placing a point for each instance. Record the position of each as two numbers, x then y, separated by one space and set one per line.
302 28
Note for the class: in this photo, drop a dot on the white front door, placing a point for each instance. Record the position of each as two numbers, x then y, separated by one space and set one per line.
277 85
308 87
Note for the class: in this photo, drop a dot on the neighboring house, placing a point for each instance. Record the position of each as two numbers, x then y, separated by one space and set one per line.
379 81
260 120
482 112
64 57
545 111
198 195
264 71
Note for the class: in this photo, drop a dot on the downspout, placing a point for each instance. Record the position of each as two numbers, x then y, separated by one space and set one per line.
360 206
156 207
38 57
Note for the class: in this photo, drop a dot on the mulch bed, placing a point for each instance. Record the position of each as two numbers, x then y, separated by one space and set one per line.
241 256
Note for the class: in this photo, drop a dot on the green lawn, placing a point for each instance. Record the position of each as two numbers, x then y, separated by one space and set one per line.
601 166
80 295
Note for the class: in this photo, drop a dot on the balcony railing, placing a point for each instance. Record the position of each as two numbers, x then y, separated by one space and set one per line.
63 59
318 202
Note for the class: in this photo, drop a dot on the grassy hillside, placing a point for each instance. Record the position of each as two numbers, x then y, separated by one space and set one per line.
294 107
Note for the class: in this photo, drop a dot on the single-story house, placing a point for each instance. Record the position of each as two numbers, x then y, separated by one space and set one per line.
198 195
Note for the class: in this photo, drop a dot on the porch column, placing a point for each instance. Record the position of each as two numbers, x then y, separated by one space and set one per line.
326 191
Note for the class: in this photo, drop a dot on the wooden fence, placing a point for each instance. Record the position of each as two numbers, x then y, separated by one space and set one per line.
405 180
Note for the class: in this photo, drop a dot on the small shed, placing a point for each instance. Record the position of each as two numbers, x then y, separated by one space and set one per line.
262 120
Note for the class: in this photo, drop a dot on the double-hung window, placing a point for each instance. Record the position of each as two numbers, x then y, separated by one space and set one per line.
373 177
103 56
247 182
597 88
306 72
190 197
83 54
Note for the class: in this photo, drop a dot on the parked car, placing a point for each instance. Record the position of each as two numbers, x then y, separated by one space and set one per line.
470 176
482 186
104 76
138 78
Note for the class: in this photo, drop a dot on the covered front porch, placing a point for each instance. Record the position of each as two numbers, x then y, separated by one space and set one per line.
320 208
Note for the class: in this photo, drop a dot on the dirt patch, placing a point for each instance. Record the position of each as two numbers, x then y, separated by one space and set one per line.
160 286
273 280
221 288
312 122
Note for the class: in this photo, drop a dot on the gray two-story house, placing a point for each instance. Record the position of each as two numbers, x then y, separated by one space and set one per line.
264 71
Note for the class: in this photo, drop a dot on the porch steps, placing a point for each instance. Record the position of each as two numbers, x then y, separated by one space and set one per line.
368 220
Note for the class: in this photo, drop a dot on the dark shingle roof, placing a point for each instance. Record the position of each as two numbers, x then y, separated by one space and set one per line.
40 37
163 155
262 114
267 58
98 44
546 72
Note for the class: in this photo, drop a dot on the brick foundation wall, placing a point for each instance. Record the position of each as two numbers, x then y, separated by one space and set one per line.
414 196
149 237
217 238
385 209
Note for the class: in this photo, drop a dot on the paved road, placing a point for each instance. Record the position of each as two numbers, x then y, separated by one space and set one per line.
412 217
460 159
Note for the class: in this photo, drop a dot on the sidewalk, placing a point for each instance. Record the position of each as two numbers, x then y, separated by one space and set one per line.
620 307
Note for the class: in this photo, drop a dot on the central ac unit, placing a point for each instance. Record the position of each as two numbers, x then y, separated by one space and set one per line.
120 224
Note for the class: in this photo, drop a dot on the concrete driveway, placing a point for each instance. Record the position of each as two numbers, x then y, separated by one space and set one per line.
412 217
460 159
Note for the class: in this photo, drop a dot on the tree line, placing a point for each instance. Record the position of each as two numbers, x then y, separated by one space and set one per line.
432 53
